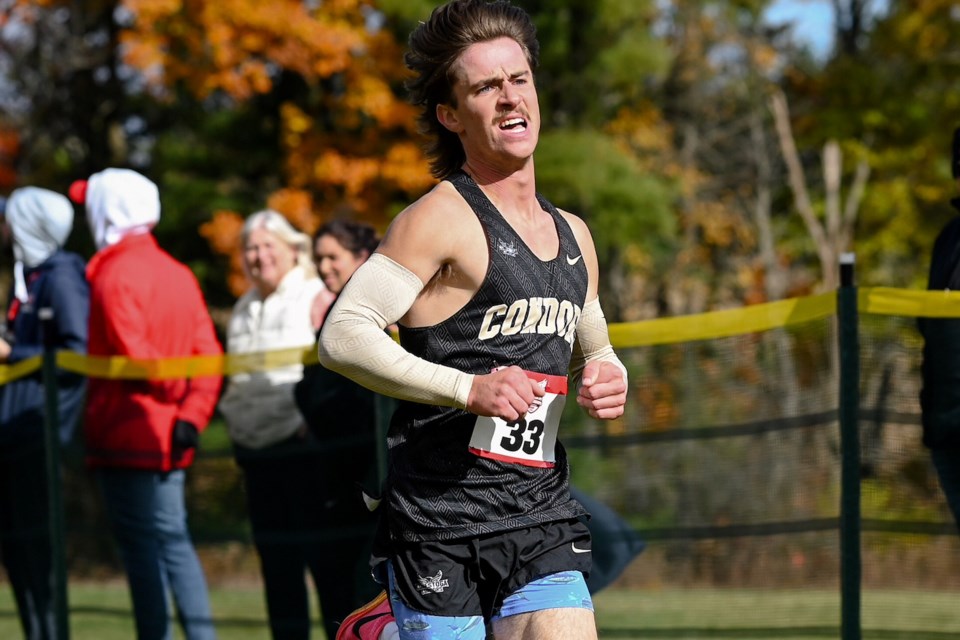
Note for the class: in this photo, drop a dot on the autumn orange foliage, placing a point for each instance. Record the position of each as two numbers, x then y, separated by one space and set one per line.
223 234
350 151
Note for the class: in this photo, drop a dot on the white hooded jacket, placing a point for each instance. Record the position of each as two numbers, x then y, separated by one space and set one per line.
120 202
41 221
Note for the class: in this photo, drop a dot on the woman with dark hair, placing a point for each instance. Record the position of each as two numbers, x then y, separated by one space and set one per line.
342 420
339 247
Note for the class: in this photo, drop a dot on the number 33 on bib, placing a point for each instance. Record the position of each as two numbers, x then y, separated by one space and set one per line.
531 439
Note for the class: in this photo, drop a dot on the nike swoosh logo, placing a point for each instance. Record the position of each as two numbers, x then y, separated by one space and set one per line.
575 549
573 261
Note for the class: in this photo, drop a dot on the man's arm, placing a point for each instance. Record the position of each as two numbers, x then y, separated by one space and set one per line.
353 341
595 369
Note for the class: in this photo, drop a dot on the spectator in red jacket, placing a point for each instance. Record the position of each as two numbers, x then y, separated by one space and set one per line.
140 435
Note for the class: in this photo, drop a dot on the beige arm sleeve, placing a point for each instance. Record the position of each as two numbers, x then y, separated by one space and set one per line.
354 344
592 343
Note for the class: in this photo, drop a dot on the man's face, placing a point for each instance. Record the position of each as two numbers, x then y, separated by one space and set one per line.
498 114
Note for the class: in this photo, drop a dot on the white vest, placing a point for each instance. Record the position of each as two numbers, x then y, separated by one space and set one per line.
259 407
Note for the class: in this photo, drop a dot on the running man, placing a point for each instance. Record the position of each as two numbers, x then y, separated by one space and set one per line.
495 293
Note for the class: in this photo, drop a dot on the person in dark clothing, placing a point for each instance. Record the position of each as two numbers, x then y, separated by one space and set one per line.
615 542
37 222
346 462
940 371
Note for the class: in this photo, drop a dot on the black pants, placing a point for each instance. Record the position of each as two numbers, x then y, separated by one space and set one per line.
305 521
25 535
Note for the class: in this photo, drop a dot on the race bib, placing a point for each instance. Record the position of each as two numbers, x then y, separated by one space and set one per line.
531 440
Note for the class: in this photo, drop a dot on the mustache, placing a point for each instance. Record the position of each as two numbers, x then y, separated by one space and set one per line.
512 113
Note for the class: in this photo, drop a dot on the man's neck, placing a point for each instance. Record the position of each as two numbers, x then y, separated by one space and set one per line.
510 192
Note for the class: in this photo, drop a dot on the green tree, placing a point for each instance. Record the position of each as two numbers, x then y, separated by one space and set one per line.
62 92
893 100
597 60
311 90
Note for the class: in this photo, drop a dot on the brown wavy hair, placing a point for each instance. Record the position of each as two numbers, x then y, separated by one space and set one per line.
434 47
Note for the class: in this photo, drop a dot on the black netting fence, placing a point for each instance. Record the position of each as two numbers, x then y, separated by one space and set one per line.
729 464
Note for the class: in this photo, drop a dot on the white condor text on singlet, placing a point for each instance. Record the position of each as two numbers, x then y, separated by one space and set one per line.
533 315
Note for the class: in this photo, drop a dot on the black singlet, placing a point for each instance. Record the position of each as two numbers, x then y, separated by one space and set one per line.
525 313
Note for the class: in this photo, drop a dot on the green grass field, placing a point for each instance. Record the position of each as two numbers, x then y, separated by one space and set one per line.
102 612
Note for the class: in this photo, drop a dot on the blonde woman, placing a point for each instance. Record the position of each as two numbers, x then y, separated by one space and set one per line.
268 433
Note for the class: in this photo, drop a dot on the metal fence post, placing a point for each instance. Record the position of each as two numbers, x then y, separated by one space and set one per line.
51 430
383 411
849 346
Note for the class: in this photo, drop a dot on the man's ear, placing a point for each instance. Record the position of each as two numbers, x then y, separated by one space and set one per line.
447 118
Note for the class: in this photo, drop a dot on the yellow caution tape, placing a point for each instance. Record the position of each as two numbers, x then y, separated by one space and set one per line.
11 372
909 303
720 324
701 326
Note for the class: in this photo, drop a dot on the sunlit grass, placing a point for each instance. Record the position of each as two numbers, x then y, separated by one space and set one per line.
799 614
101 611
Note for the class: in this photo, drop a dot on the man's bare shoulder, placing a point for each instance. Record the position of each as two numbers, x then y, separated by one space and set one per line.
443 203
437 230
589 251
577 225
437 217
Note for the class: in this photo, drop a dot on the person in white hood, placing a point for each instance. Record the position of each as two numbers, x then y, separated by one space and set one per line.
119 203
140 435
37 222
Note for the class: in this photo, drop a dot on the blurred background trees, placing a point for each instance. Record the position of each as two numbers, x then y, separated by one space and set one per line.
718 159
